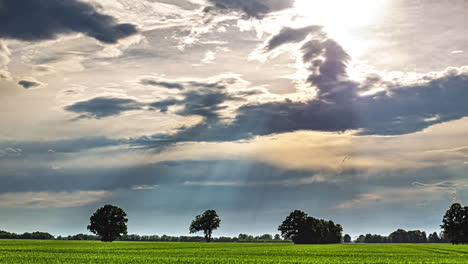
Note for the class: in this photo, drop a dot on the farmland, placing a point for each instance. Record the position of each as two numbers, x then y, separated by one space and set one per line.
33 251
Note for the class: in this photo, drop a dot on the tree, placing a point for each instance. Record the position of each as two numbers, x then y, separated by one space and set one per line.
242 236
455 224
277 237
265 237
399 236
434 238
303 229
109 222
293 226
207 222
347 238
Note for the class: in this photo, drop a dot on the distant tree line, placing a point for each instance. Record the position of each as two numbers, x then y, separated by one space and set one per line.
109 223
266 238
33 235
402 236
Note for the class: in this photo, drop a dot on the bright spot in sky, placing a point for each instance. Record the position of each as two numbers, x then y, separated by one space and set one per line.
340 13
341 18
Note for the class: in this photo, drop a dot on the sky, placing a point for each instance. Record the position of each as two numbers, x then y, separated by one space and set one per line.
353 111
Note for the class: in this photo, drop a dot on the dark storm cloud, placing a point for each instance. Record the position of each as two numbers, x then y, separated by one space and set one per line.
28 84
163 105
218 85
206 101
338 106
404 110
101 107
324 58
251 8
290 35
169 85
33 20
189 84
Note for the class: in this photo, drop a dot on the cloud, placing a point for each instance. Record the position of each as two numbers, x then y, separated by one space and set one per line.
124 175
5 76
30 83
75 145
10 152
401 111
206 98
251 8
145 187
43 69
34 20
338 106
163 105
452 189
290 35
209 57
168 85
206 103
393 196
101 107
324 59
51 199
4 55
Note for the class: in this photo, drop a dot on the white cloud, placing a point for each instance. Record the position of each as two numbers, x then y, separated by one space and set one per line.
145 187
51 199
396 196
5 76
210 57
4 55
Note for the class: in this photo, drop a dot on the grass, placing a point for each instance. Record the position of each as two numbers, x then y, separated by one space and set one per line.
31 251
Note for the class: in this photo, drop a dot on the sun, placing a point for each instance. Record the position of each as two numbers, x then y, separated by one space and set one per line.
340 13
341 18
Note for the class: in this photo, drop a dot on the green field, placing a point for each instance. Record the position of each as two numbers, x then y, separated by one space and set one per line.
28 251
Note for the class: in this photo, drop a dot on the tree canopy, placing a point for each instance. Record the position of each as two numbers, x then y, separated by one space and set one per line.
207 222
109 222
304 229
347 238
455 224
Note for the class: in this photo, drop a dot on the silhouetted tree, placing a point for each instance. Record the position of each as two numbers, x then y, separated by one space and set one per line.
434 238
293 227
265 237
33 235
243 236
207 222
399 236
303 229
360 239
109 222
347 238
277 237
455 224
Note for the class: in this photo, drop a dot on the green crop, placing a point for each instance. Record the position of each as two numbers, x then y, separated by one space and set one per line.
31 251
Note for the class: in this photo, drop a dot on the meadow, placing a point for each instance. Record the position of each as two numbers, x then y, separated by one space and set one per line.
34 251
